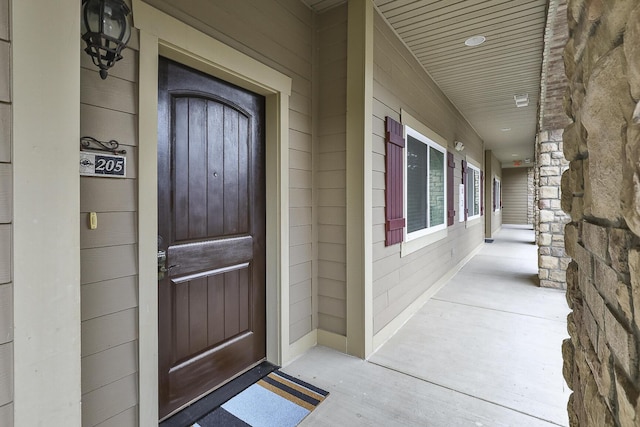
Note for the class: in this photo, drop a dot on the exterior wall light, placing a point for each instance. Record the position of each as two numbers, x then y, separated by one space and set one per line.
106 30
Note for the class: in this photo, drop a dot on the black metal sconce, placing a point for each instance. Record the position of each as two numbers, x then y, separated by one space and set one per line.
106 30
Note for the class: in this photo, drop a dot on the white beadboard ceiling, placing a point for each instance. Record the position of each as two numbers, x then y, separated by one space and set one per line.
481 81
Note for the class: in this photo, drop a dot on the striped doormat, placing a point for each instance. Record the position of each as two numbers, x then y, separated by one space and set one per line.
277 400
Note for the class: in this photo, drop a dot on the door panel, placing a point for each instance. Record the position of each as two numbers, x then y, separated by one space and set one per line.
211 225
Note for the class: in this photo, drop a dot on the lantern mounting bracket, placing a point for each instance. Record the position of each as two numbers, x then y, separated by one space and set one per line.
90 143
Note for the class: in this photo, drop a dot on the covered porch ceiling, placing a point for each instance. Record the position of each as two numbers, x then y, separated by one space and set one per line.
482 80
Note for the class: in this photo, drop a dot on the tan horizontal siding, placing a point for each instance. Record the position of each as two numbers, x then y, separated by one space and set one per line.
6 193
400 83
5 133
5 71
110 296
6 415
109 401
105 124
6 373
108 195
109 331
302 254
109 366
108 255
330 166
6 219
114 229
493 218
112 262
300 291
6 313
113 93
4 19
5 253
514 195
128 418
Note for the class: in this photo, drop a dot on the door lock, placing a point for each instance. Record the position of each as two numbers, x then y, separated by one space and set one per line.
162 262
162 259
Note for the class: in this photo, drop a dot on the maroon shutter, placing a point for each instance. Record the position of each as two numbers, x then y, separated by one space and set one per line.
451 212
394 205
466 184
493 194
481 193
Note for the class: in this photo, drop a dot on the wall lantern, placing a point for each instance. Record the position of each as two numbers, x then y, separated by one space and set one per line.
106 30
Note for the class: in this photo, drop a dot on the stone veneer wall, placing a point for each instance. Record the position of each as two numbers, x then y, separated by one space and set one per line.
601 190
530 196
550 164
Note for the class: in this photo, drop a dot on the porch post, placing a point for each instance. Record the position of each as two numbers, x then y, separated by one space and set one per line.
359 178
46 196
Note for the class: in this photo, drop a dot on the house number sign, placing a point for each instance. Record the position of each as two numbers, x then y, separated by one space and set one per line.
105 165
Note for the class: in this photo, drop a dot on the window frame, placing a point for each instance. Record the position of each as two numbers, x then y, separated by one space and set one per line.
475 169
430 143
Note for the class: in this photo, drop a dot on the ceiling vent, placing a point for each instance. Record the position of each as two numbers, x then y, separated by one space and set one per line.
522 100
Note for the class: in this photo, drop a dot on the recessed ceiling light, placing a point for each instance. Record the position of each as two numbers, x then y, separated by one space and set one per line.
505 129
475 40
514 155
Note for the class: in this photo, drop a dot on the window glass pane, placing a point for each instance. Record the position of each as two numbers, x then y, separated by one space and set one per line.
476 192
416 185
437 191
469 185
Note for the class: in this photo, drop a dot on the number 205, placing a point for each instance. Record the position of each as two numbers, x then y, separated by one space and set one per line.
109 165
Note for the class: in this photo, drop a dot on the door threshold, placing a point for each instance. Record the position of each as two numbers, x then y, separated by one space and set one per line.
201 407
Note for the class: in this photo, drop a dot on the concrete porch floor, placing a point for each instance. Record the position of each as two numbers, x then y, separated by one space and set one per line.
485 351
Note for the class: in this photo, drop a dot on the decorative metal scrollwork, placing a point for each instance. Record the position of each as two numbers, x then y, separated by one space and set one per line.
90 143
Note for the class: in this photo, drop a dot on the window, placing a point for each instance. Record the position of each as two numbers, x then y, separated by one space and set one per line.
497 195
426 185
473 191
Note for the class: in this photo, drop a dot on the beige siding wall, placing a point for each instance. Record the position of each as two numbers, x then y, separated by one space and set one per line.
329 162
281 37
109 298
6 219
493 219
514 195
401 83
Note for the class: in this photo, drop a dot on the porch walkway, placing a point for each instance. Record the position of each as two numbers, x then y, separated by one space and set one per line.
485 351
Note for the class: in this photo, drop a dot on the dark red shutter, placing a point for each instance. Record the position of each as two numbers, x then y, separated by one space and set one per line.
481 193
451 212
493 194
394 205
464 181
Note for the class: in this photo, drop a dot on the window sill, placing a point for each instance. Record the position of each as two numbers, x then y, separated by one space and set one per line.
421 242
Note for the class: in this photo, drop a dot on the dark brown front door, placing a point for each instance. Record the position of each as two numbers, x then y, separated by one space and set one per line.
211 225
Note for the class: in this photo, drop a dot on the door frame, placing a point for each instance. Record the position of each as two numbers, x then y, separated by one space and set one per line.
163 35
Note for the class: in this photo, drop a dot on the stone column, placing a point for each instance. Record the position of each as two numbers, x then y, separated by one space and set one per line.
601 190
530 196
550 164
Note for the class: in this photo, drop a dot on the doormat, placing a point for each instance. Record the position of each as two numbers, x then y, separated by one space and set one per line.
277 400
